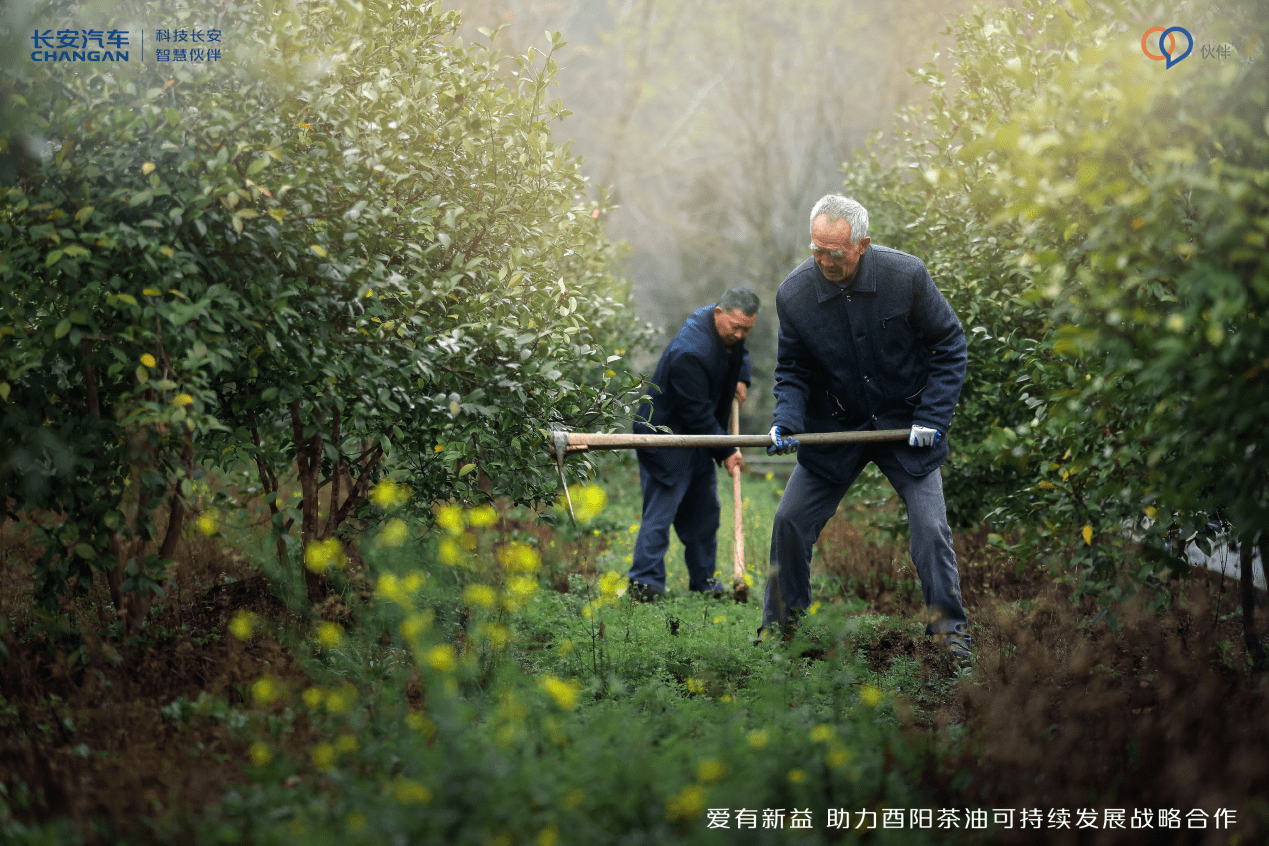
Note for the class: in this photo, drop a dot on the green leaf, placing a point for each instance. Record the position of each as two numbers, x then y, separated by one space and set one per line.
63 327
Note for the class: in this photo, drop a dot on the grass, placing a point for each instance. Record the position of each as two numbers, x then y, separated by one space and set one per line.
488 683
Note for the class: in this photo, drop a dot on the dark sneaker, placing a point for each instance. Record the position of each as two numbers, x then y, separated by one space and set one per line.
640 592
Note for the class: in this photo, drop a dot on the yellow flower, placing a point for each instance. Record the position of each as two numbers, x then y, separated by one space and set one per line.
450 553
482 516
391 589
609 583
323 755
564 693
340 701
770 476
482 595
871 696
438 448
721 618
356 821
413 580
520 589
442 658
329 634
388 494
565 647
416 624
838 756
814 609
796 776
421 724
758 738
710 771
519 558
822 733
694 686
1152 512
687 805
548 836
323 554
410 792
346 743
264 691
499 636
148 360
394 533
242 624
259 754
313 697
588 501
206 523
183 400
451 518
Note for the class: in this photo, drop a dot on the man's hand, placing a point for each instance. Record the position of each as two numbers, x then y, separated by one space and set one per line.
923 437
781 443
742 391
734 463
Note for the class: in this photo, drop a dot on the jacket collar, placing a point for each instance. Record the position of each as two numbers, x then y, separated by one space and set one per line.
865 281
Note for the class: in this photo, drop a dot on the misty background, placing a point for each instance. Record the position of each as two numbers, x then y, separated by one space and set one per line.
715 125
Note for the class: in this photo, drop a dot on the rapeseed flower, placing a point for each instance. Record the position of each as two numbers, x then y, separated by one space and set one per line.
520 589
387 494
329 634
391 589
871 696
409 792
519 558
260 754
687 805
758 738
415 624
796 776
481 595
323 755
710 771
564 693
313 697
323 554
265 691
148 360
394 533
588 501
823 733
242 625
451 518
442 658
206 523
450 553
482 516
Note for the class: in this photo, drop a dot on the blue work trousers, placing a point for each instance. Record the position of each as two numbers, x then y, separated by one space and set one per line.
691 505
808 503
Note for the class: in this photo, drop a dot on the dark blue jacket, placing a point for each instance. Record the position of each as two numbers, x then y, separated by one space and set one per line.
887 352
691 393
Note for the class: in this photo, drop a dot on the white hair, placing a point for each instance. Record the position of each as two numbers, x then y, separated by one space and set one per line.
837 207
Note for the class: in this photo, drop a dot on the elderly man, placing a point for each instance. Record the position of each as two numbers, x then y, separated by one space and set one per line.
866 342
701 370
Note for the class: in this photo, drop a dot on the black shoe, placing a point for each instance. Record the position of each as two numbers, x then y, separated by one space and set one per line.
640 592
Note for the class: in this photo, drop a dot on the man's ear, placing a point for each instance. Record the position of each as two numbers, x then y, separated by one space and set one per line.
864 242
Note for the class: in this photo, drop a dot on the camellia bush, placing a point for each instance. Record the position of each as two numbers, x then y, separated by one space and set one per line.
348 249
1098 221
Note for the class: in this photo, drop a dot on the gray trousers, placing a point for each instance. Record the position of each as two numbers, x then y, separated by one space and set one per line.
808 503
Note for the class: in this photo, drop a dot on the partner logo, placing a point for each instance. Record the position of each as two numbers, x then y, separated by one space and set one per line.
1166 44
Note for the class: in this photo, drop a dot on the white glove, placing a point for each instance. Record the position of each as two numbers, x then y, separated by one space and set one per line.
923 437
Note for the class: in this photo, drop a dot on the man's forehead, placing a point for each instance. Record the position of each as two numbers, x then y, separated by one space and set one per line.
738 316
837 230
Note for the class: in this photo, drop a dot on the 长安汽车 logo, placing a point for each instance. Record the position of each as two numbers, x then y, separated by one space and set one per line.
1166 44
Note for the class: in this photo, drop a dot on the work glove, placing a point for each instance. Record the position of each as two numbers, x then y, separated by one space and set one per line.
781 443
923 437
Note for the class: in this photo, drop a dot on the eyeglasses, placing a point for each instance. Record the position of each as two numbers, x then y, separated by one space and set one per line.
821 252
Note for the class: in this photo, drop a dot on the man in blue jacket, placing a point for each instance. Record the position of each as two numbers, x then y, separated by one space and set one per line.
866 342
700 371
